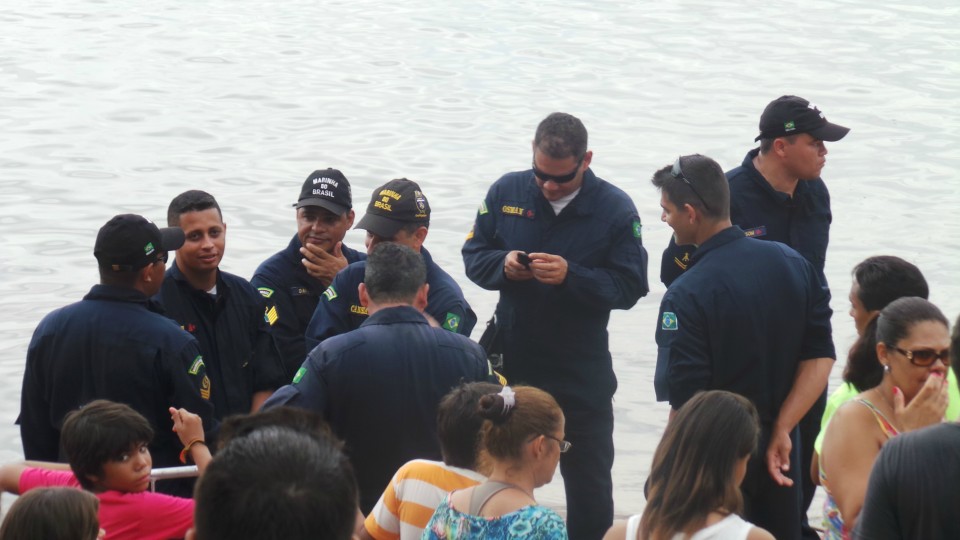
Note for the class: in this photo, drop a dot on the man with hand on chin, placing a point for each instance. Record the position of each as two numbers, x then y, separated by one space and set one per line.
292 280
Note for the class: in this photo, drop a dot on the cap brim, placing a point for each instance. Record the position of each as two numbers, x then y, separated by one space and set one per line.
379 225
337 209
171 238
829 132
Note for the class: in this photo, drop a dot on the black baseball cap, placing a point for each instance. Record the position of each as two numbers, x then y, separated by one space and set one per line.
327 188
393 205
130 242
792 115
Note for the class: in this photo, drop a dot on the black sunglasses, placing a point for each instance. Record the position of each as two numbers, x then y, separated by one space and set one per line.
161 257
677 172
924 357
562 179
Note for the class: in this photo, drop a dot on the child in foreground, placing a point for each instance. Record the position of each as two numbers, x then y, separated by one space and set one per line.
53 514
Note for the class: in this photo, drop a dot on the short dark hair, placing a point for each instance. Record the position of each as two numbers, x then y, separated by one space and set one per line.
295 418
707 180
767 144
126 279
896 320
52 513
99 432
880 280
394 273
459 423
561 135
276 483
190 201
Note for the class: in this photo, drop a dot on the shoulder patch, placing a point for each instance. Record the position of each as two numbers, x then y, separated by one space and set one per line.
271 315
668 321
483 208
451 322
756 231
299 375
196 365
330 293
636 229
265 292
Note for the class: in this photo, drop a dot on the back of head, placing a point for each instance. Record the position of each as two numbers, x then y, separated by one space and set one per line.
193 200
275 483
880 280
128 243
561 135
295 418
459 423
513 417
698 181
896 320
955 350
57 513
99 432
394 273
693 467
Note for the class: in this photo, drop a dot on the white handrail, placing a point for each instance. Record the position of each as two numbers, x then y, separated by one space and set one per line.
169 473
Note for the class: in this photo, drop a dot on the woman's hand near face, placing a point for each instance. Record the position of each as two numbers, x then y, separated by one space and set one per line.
926 408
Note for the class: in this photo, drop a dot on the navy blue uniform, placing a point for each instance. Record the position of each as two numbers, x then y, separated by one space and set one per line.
801 221
112 345
379 387
741 319
339 311
234 336
555 336
292 295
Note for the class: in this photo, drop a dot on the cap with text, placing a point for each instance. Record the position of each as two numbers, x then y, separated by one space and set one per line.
393 205
327 188
130 242
792 115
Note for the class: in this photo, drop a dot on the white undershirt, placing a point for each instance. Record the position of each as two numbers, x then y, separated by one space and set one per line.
561 203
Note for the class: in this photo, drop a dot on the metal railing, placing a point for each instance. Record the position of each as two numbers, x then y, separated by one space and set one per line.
169 473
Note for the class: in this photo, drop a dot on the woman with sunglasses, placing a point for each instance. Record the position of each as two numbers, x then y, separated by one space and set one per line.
522 439
913 345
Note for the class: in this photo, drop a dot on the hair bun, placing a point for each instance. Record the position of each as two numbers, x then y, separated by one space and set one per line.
492 408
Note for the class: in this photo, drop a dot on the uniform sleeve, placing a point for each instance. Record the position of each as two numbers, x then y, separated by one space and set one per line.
483 253
41 440
675 261
189 385
878 519
818 338
269 372
332 316
308 389
622 278
280 313
683 365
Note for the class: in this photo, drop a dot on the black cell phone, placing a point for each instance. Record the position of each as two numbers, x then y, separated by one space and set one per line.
523 259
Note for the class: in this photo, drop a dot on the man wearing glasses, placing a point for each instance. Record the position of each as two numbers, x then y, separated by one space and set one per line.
114 344
748 317
563 247
777 194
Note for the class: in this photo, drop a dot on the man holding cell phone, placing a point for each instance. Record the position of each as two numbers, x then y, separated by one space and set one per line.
563 248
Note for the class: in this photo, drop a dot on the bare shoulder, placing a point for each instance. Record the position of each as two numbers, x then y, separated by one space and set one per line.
618 531
756 533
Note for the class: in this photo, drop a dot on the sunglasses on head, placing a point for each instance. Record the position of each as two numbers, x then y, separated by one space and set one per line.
677 172
924 357
561 179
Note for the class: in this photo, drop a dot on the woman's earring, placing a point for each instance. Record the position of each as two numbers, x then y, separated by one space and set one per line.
886 368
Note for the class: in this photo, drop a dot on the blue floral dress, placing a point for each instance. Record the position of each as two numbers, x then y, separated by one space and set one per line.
530 522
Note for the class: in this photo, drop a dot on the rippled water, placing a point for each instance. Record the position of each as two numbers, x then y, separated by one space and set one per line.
110 107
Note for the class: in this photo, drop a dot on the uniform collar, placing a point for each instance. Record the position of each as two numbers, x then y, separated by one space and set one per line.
718 240
798 193
393 315
175 273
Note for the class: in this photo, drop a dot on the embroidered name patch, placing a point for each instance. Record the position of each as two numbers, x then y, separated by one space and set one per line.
756 231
